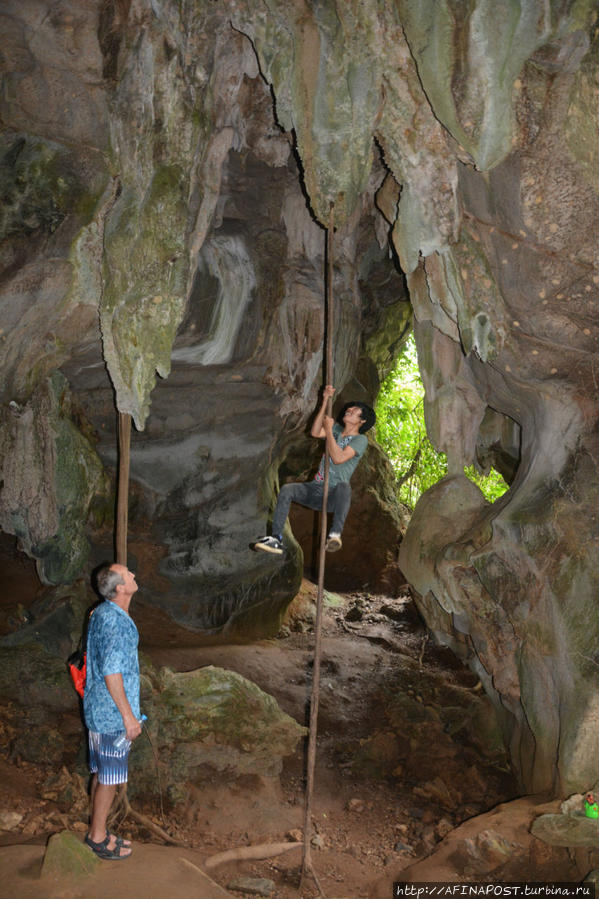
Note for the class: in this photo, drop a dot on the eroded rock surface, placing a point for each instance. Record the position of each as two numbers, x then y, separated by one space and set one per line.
513 580
497 845
209 720
194 223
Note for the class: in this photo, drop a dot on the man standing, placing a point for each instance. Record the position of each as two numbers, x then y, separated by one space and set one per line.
345 445
111 702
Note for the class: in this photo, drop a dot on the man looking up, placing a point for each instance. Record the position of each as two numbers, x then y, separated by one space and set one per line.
346 445
111 701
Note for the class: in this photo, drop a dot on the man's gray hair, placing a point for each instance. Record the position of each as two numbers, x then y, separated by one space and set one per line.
107 580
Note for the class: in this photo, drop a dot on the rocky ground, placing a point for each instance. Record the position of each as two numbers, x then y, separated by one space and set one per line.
408 750
378 803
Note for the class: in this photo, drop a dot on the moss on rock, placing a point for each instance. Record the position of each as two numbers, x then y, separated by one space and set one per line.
36 185
143 298
51 474
209 719
66 856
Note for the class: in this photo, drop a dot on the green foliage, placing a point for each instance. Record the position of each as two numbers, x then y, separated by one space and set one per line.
401 431
492 485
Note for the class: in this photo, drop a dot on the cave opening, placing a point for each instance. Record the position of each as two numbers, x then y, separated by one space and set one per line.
401 431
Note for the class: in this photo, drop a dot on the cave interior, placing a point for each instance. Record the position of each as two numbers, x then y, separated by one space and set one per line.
168 174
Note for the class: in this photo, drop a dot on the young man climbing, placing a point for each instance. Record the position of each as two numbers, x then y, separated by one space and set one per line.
346 445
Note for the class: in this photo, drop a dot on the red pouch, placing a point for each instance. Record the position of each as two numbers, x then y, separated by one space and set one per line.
77 670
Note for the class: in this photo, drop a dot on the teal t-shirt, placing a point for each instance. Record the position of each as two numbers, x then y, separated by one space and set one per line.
342 473
112 640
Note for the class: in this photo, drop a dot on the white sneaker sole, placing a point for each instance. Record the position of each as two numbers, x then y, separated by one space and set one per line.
331 546
262 547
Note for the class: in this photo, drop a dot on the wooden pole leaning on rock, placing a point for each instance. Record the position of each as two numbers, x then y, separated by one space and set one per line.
122 524
307 867
122 504
120 541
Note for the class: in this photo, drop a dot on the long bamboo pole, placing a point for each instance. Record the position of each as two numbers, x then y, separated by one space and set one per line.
307 867
122 505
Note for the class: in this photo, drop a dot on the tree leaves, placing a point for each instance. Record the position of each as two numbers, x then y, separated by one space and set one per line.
401 431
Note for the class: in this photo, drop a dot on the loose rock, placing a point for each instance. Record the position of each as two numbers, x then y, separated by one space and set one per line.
67 856
9 820
254 886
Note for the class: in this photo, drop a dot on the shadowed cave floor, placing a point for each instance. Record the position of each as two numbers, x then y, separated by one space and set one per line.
399 764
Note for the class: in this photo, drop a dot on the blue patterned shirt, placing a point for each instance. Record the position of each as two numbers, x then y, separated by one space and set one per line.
112 640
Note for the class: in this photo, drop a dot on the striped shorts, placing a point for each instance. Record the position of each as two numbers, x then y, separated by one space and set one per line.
109 763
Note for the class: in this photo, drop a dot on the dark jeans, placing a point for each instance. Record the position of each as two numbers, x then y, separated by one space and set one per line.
310 495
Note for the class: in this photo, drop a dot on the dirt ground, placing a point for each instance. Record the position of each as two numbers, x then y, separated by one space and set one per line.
379 802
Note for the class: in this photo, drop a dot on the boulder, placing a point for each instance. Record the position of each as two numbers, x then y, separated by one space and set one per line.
204 723
567 830
67 857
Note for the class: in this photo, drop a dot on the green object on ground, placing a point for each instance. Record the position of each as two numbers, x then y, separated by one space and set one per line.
67 856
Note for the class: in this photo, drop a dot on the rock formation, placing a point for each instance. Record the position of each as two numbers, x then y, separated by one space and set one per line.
167 171
193 220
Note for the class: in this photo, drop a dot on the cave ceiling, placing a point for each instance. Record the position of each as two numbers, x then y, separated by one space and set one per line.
168 171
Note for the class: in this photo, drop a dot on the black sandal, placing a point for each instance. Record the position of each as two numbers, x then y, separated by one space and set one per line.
102 850
126 843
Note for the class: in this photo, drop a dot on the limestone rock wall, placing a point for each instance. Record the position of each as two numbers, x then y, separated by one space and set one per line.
511 586
51 475
168 170
165 228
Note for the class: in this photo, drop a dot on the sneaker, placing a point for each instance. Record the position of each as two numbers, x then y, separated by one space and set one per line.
269 545
333 543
